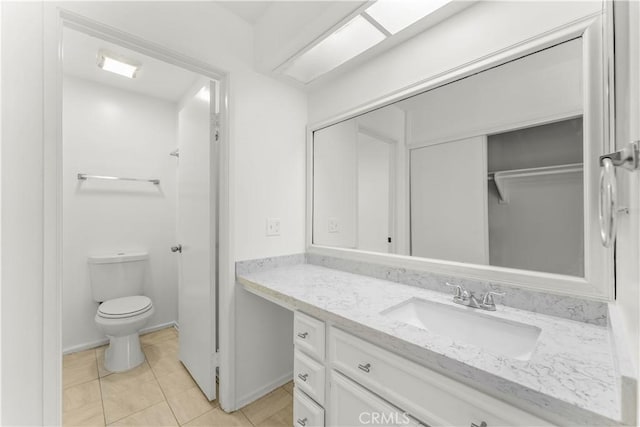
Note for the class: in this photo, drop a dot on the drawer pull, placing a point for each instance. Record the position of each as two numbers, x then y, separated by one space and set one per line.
304 378
303 335
482 424
302 422
367 369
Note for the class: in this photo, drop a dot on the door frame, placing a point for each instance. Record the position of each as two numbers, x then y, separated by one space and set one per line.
55 20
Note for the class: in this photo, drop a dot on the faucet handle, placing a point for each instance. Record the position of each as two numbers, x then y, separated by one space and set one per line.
459 291
487 299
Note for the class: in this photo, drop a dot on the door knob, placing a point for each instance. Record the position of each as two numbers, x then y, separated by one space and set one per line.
176 248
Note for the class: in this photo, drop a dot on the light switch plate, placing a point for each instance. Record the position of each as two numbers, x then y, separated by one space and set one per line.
273 226
333 225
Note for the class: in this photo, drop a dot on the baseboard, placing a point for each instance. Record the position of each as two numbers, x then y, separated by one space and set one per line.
158 327
104 341
85 346
262 391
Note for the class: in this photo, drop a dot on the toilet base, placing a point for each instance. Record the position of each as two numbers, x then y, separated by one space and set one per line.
123 353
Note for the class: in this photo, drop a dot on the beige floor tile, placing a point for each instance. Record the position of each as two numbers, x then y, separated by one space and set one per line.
219 418
122 381
122 399
87 415
288 387
189 404
269 405
72 358
165 366
161 350
282 418
80 395
159 336
176 382
102 371
79 371
157 415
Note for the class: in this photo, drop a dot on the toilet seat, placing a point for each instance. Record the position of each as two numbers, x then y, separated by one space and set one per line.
120 308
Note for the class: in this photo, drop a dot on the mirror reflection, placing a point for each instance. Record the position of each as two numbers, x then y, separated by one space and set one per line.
485 170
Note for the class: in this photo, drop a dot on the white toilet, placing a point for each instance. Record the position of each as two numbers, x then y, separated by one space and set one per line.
117 283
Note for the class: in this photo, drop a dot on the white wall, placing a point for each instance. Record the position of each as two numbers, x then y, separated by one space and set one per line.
267 152
450 44
533 89
108 131
22 230
335 189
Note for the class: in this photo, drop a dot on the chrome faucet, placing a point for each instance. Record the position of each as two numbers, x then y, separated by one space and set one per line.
467 298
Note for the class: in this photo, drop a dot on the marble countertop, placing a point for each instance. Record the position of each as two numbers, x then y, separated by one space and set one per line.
571 372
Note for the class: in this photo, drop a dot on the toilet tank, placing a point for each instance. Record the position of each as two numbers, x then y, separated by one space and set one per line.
117 275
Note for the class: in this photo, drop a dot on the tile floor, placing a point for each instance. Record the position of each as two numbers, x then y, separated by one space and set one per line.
160 392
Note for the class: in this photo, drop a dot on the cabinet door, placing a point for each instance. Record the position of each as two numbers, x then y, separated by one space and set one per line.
352 405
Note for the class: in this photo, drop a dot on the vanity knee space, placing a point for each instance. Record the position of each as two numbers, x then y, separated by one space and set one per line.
354 382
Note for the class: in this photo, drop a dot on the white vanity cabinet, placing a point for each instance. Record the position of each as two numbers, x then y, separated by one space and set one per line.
434 399
353 405
352 382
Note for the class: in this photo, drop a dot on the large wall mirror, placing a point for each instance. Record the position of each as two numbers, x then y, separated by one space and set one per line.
493 172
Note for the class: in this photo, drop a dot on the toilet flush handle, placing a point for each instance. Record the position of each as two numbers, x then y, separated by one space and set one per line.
176 248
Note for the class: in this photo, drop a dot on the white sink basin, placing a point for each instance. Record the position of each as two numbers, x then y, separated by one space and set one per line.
471 326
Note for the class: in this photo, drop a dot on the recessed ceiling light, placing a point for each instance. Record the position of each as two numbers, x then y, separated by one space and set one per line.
350 40
118 65
396 15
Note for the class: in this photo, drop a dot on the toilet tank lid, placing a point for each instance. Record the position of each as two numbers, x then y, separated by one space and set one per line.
118 257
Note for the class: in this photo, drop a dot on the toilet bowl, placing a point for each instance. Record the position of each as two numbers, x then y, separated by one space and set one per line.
117 283
120 319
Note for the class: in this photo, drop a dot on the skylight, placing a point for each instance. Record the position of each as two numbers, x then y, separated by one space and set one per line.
352 39
382 19
396 15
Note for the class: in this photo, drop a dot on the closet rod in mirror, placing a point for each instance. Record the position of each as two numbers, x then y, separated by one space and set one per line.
84 177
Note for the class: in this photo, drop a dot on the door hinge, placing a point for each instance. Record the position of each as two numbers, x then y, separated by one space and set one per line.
217 135
215 359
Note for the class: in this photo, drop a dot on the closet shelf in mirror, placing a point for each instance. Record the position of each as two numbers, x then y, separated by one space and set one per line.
501 177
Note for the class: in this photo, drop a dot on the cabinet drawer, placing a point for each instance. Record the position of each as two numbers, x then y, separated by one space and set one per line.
427 395
306 412
308 335
352 405
309 376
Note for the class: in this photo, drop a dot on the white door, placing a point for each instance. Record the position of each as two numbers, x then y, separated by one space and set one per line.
449 201
375 159
196 232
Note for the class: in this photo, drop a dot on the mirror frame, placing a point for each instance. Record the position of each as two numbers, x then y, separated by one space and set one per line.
598 282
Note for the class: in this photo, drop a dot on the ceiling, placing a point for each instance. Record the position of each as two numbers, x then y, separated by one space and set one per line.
155 78
250 11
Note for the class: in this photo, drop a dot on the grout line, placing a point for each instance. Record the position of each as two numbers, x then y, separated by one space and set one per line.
247 417
161 389
104 414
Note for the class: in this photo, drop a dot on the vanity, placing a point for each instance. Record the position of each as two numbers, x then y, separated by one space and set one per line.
366 347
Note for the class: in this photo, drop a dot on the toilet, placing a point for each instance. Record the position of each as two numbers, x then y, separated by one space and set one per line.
117 283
